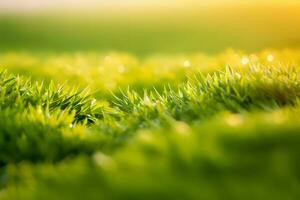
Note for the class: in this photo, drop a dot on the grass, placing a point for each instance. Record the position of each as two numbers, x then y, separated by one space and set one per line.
195 126
189 29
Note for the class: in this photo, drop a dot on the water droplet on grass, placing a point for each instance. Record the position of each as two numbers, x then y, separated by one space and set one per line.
270 58
186 63
245 60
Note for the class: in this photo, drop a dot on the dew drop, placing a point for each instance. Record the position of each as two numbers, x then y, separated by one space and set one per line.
245 60
270 58
186 63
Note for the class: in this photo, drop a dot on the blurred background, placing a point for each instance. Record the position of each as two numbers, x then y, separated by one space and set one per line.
143 27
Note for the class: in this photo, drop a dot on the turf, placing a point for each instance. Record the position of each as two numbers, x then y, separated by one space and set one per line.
179 127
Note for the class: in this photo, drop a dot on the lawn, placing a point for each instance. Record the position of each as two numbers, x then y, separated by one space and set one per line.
196 103
198 126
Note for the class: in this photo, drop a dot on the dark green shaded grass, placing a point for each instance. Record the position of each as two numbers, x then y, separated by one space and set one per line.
254 158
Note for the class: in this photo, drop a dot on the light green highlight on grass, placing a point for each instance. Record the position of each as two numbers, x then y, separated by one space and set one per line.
229 130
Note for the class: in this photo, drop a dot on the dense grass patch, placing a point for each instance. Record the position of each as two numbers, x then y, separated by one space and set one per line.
225 131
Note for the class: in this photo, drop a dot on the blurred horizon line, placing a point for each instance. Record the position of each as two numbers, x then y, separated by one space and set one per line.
96 6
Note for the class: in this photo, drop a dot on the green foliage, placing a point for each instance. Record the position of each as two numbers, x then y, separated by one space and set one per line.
37 136
44 122
223 132
232 90
206 160
20 94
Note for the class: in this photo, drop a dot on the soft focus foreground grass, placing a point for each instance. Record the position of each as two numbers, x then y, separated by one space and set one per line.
223 126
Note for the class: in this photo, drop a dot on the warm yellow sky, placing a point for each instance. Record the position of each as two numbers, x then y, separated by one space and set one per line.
37 5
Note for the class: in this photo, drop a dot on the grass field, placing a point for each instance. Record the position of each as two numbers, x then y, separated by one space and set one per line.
161 103
161 31
223 126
